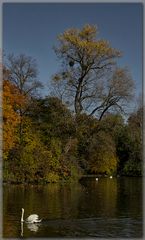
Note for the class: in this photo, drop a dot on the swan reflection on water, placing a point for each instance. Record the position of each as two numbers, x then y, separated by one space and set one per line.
31 226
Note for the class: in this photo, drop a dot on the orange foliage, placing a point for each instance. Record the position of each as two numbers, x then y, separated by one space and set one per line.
12 100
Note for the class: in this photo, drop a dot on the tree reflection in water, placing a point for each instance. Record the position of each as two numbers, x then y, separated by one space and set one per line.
108 207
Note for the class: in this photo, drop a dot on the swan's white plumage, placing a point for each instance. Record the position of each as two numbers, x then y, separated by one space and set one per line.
34 218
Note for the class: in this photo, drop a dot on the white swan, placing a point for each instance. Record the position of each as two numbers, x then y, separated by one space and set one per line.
34 218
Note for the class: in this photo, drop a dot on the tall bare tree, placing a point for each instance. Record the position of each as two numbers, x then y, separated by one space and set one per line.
23 73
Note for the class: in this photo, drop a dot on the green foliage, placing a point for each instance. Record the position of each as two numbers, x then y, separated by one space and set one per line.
52 118
75 173
51 177
56 150
133 168
102 155
129 145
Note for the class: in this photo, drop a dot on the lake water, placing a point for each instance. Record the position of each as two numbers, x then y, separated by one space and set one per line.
104 208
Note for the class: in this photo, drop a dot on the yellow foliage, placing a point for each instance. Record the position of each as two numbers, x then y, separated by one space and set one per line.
85 41
10 116
12 101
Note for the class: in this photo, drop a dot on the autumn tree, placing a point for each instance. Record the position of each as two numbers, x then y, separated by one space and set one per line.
23 75
89 78
11 101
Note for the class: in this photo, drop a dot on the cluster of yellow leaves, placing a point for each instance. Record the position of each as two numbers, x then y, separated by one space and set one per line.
85 41
89 32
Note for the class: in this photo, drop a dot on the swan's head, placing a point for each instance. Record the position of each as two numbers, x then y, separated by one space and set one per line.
22 209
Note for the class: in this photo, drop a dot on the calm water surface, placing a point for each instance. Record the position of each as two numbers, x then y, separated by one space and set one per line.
107 208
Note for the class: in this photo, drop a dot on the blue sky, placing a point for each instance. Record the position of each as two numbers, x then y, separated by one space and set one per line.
32 29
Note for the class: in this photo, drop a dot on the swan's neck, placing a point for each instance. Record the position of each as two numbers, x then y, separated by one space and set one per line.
22 220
